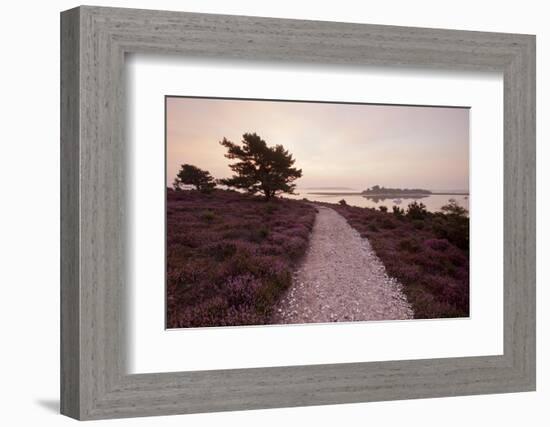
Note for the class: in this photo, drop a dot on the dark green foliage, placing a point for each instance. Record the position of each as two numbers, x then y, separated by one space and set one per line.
271 208
388 223
372 227
409 245
260 168
383 208
453 224
257 235
398 212
208 216
427 252
192 175
454 209
416 210
418 224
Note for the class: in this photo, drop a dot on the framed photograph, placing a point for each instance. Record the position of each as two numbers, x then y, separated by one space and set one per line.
286 235
261 213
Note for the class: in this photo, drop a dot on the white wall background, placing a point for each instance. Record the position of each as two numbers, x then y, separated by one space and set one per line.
29 217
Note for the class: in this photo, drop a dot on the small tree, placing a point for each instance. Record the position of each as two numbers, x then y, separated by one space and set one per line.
453 224
416 210
453 208
260 169
192 175
397 211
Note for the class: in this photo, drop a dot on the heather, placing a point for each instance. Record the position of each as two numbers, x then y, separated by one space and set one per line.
427 252
230 255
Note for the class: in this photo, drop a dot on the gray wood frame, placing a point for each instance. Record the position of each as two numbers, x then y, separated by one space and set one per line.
94 41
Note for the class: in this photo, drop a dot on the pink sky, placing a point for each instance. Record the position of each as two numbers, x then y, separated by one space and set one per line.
335 145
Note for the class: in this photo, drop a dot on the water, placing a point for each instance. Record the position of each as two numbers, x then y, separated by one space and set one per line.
433 202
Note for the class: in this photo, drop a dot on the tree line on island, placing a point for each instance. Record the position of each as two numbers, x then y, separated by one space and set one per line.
259 169
381 190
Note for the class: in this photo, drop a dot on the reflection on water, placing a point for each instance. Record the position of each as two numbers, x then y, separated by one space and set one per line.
433 202
397 200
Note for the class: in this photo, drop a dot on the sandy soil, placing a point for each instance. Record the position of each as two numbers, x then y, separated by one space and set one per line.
341 279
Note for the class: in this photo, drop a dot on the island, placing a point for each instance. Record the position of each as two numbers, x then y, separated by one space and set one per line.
379 191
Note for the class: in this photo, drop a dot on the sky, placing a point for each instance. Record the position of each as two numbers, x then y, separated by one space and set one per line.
336 145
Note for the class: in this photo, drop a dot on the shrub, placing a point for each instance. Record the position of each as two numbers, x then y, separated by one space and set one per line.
208 216
342 202
241 290
221 250
417 210
437 244
409 245
259 234
230 256
295 246
194 176
427 253
454 228
372 227
418 224
397 211
388 223
383 208
271 207
452 208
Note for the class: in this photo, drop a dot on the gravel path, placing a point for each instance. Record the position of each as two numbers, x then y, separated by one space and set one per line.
341 279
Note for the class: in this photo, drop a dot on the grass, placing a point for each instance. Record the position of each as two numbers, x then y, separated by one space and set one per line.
427 252
230 256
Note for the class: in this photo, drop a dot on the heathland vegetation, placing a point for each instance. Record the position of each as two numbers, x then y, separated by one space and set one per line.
231 251
230 255
428 252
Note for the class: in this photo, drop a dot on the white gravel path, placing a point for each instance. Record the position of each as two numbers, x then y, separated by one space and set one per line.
341 279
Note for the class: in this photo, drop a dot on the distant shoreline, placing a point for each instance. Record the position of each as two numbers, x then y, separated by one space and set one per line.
389 195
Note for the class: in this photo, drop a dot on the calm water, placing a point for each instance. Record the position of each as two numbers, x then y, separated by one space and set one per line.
433 202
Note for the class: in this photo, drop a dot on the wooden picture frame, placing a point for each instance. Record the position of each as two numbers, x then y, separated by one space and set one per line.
94 41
